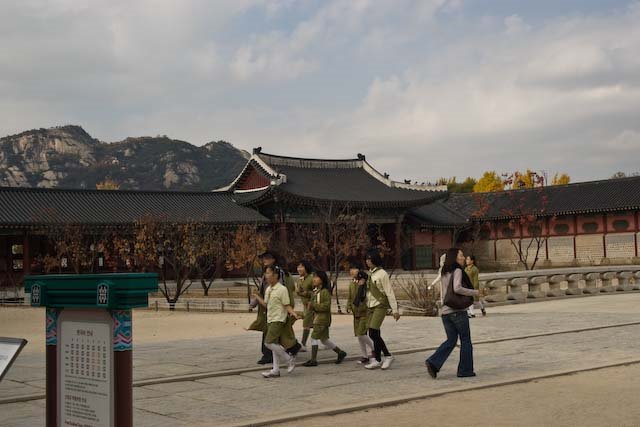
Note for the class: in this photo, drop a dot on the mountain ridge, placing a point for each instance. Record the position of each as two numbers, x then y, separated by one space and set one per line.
69 157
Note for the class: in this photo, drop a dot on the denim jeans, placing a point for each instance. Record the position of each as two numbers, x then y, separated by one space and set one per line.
456 325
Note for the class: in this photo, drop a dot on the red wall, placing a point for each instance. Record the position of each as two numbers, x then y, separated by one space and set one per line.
566 220
584 219
252 179
629 217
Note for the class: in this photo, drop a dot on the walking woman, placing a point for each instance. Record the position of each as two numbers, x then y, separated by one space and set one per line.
358 307
304 289
380 299
474 276
455 320
320 304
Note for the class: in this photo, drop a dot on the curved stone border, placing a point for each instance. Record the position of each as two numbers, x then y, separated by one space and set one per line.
406 399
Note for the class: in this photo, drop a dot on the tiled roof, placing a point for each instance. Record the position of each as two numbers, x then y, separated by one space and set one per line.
609 195
351 180
30 206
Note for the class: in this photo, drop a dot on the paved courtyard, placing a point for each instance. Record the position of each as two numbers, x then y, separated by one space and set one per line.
181 382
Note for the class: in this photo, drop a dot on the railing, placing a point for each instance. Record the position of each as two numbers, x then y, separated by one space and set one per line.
519 286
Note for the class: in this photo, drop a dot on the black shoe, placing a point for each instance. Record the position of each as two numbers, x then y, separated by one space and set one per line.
264 361
471 315
295 349
472 374
310 362
341 357
484 312
431 369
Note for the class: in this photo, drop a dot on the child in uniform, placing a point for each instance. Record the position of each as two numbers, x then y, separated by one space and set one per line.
358 306
320 304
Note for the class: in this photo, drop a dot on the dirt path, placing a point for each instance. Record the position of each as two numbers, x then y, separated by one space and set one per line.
149 326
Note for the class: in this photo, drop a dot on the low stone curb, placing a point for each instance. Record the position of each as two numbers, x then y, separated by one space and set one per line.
406 399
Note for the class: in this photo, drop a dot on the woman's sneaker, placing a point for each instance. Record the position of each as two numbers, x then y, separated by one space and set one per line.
363 361
386 363
373 364
271 374
291 364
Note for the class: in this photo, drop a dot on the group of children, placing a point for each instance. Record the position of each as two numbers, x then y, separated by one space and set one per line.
370 298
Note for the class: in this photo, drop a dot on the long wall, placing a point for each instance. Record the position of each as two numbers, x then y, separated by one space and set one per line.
581 240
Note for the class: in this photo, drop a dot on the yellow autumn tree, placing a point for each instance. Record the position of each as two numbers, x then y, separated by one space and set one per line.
524 179
561 179
107 184
489 182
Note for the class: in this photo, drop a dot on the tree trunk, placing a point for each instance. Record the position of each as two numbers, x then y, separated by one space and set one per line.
205 288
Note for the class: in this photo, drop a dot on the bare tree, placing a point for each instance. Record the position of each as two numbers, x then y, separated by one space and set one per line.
247 243
421 298
527 210
344 233
162 245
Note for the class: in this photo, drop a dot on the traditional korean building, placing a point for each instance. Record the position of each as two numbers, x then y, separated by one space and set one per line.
586 223
290 190
26 212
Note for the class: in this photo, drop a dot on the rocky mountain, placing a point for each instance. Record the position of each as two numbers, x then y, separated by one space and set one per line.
68 157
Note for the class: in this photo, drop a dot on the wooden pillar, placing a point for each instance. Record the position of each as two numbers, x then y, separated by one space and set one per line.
398 243
575 235
546 241
635 232
26 254
122 368
495 242
51 355
604 235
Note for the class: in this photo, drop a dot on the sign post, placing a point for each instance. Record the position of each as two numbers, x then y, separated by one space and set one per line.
89 364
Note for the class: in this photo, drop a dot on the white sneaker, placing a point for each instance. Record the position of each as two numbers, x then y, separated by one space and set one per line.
386 363
291 364
303 349
374 364
271 374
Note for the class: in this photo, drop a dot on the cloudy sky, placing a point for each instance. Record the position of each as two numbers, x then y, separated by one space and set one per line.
424 88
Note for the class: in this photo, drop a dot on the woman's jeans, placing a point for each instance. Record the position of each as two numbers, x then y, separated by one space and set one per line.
456 325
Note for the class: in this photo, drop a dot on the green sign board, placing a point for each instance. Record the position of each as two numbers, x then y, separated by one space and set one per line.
118 291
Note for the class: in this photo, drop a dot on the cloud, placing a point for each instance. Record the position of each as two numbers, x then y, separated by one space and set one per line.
514 97
424 88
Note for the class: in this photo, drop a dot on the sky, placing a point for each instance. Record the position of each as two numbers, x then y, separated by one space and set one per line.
425 89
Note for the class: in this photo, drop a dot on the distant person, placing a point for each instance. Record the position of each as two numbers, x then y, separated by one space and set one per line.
474 276
436 281
320 305
278 305
455 320
380 299
358 306
304 289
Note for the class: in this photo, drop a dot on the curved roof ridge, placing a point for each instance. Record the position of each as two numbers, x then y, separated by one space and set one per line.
309 163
